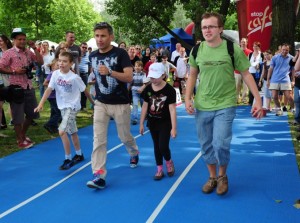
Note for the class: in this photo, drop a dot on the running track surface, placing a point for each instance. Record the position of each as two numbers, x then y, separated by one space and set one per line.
263 177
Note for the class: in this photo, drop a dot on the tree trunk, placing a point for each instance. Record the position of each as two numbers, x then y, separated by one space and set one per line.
283 24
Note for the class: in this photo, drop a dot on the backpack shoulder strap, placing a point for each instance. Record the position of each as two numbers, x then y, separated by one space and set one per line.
195 51
250 55
230 49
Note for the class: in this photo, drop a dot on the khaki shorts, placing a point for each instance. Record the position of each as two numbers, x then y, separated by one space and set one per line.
280 86
68 123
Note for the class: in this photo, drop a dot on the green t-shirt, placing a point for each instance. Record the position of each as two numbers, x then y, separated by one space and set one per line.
217 89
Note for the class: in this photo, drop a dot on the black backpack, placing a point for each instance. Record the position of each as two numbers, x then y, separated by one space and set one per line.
230 49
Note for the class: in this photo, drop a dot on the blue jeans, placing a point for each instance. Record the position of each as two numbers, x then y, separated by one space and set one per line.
84 77
214 129
55 115
297 104
136 99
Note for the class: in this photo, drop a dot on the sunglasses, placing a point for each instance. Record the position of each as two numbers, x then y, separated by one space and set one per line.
138 48
84 47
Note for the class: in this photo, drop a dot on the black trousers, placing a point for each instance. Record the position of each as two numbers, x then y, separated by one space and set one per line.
161 140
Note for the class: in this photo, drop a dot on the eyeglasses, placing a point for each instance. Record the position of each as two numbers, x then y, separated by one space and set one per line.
138 48
209 27
84 47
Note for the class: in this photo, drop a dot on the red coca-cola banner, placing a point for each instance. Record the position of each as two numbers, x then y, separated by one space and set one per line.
255 21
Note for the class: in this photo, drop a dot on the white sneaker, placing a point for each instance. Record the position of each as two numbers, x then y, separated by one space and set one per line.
279 113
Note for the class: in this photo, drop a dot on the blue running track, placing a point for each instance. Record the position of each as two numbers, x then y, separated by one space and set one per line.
263 178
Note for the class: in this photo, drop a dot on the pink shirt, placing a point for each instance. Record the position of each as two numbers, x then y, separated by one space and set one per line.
16 58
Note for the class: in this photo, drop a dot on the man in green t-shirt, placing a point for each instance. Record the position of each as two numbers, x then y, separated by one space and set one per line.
215 100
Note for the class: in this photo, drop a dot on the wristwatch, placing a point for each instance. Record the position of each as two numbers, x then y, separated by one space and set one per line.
109 72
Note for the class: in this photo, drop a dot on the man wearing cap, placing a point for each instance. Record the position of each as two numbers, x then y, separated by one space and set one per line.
18 62
113 70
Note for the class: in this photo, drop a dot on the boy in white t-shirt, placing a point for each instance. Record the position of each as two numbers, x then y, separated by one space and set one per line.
68 87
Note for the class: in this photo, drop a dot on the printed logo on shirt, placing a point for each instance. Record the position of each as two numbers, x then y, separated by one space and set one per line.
157 103
65 84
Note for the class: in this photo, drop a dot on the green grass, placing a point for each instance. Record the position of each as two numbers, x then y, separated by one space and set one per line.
294 134
37 133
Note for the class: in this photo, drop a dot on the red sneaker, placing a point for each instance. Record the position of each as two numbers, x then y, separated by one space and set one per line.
25 144
29 140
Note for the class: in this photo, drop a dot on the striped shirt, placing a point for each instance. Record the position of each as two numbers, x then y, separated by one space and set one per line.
84 64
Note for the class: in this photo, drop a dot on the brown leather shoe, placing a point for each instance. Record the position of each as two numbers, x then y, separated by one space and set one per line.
210 185
222 187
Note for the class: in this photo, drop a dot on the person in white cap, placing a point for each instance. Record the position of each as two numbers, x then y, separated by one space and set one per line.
160 108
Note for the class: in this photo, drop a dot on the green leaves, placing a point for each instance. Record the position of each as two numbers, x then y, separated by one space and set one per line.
49 19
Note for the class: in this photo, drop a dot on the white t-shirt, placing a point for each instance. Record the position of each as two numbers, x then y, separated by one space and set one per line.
181 67
92 86
68 88
175 53
47 61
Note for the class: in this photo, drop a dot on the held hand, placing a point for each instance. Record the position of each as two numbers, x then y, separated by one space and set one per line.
173 133
103 70
257 111
31 44
20 70
259 84
189 107
141 129
38 108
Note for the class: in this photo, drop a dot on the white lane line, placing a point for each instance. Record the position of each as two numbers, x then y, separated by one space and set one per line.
57 183
172 189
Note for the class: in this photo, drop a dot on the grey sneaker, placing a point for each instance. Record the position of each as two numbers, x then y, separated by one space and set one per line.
222 187
210 185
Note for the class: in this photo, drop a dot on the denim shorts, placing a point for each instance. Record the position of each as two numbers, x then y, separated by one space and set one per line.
68 123
214 129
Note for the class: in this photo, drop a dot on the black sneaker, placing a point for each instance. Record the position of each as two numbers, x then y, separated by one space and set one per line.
97 183
134 122
50 129
284 109
66 165
134 161
77 158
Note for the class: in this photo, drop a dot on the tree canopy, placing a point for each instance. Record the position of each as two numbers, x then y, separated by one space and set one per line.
49 19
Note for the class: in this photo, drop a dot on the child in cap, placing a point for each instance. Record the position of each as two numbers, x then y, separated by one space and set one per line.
160 108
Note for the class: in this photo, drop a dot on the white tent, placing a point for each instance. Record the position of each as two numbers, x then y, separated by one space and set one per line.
92 43
232 35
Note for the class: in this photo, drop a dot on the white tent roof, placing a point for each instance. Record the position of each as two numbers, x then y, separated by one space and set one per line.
232 35
92 43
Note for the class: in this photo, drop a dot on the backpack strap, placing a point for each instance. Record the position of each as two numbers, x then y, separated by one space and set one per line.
230 49
195 52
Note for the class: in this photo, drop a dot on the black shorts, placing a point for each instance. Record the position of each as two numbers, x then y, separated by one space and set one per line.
4 93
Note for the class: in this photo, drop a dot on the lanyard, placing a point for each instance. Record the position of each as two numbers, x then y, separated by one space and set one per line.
18 55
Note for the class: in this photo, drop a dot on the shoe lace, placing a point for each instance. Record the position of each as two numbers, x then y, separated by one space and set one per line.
212 181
